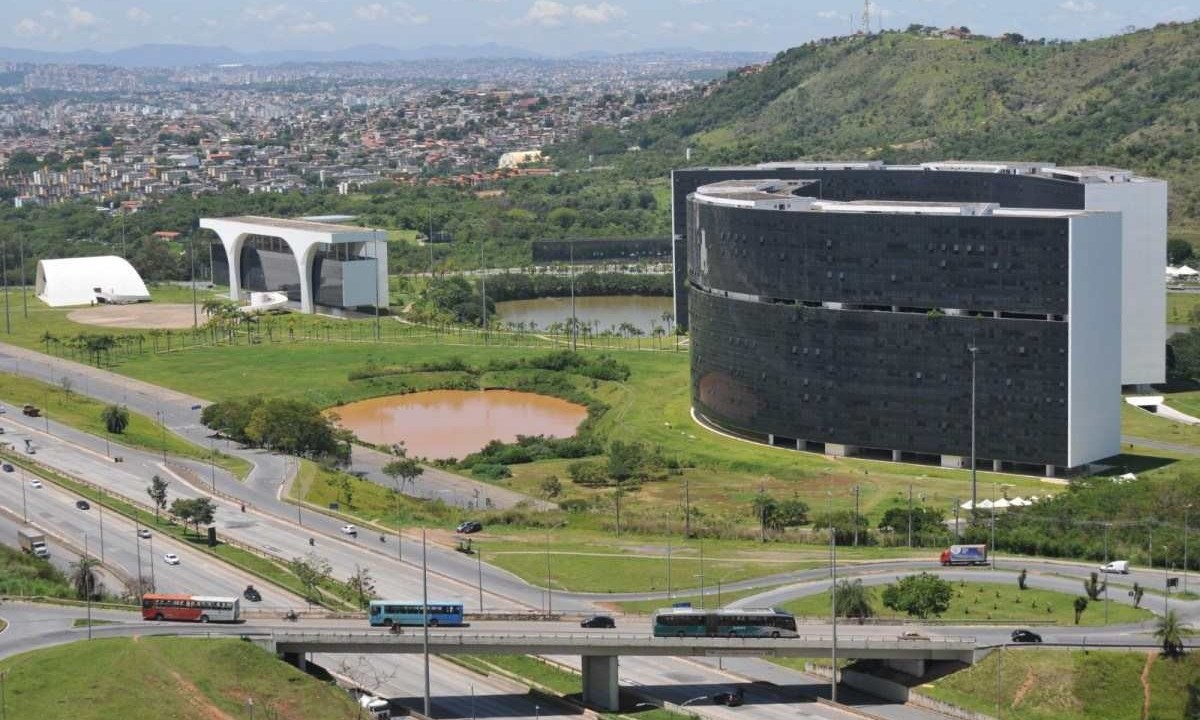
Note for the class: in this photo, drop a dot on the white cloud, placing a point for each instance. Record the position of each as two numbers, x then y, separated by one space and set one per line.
598 13
742 24
28 27
668 25
137 15
265 13
698 27
372 12
830 14
78 17
1078 6
546 12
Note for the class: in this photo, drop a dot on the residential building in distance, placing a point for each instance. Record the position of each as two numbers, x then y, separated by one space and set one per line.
891 328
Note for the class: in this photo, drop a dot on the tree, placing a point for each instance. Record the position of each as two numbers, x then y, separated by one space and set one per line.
67 385
551 487
194 511
1081 604
83 578
765 509
406 469
853 600
1168 630
311 571
362 585
1185 348
587 473
116 419
1179 251
1021 579
1093 587
919 595
624 460
157 490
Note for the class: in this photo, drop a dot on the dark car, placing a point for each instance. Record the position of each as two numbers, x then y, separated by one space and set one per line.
8 467
83 505
469 526
251 593
1025 636
733 698
598 621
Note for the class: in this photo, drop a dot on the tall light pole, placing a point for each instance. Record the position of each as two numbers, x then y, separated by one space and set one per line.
574 331
24 507
87 581
833 609
479 569
910 516
24 294
973 349
1106 581
483 290
425 616
192 263
1185 547
1166 584
857 494
993 526
549 589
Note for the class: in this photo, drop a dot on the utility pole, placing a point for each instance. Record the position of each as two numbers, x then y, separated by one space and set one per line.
668 567
574 326
4 269
857 494
425 617
1106 580
973 348
483 290
137 528
24 294
993 526
1185 547
87 580
431 240
833 609
910 516
687 512
479 567
192 262
957 527
549 590
387 290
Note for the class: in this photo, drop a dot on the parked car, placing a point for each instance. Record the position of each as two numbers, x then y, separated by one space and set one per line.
83 505
36 483
469 526
732 698
350 530
8 467
1116 566
598 621
1025 636
171 559
144 534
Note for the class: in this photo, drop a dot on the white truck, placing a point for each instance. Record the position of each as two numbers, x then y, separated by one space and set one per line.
33 541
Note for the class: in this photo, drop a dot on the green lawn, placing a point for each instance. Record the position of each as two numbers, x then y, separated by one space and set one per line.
70 407
710 599
154 678
1180 307
83 622
997 602
1048 684
26 575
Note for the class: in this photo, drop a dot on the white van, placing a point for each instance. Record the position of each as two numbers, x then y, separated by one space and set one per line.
377 707
1116 566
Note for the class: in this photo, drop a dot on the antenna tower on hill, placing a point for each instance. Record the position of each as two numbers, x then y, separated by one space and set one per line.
866 17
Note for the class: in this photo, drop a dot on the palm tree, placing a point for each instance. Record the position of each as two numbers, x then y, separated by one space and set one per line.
853 600
1168 630
83 577
116 419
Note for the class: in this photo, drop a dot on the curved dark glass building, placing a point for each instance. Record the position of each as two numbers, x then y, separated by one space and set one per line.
850 325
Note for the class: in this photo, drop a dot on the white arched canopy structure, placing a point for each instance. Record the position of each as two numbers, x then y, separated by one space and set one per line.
87 280
365 275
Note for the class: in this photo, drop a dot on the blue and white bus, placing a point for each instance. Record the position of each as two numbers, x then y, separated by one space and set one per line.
385 613
733 622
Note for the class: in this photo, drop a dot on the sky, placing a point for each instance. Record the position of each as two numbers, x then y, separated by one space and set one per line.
549 26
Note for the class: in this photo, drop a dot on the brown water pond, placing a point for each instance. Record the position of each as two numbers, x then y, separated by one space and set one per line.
454 423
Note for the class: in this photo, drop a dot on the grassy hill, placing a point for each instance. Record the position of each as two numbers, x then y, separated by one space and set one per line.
1131 100
155 678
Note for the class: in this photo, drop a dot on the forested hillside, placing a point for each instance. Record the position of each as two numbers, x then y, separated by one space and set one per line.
1131 101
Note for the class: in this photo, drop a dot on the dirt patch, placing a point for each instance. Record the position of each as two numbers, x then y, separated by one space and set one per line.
1146 683
203 706
142 316
1026 686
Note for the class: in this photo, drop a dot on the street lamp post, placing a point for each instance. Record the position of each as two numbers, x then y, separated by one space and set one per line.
1166 583
1185 547
974 349
1106 581
833 610
574 330
993 526
24 507
425 617
479 568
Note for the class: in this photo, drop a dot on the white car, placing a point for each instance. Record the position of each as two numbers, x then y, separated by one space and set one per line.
350 530
171 559
144 534
35 483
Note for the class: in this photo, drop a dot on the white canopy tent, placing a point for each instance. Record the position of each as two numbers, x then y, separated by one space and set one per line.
87 280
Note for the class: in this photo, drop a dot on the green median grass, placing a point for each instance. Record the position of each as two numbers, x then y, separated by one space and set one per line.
994 602
84 622
83 413
711 599
1045 684
153 678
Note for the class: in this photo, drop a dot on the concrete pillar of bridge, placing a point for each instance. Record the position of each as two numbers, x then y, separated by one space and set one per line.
840 450
296 659
916 668
600 688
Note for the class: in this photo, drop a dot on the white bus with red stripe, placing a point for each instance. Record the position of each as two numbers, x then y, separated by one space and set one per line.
190 608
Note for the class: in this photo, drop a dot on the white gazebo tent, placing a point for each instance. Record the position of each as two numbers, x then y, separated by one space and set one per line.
87 280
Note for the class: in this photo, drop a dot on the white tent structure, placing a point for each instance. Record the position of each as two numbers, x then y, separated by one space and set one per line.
88 280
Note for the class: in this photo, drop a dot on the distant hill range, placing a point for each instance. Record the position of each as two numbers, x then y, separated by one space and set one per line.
1131 100
163 55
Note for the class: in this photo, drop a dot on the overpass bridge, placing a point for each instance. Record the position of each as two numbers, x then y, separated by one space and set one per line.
600 651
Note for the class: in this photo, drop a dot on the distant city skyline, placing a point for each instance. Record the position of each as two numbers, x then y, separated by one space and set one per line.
552 27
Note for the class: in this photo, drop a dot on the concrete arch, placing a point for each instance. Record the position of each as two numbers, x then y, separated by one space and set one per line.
304 238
